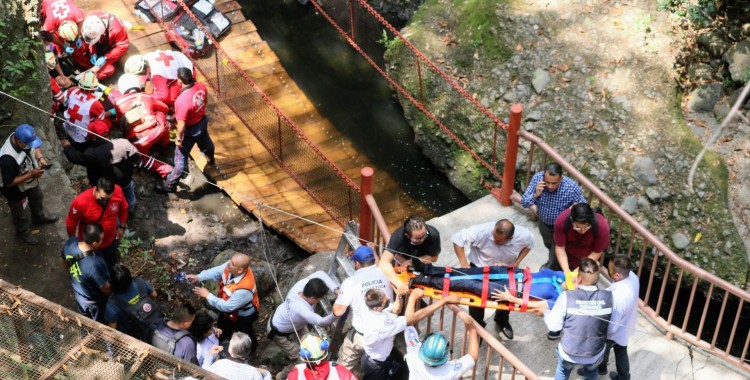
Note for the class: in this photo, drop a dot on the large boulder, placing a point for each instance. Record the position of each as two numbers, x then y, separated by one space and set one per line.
644 171
713 43
704 98
738 58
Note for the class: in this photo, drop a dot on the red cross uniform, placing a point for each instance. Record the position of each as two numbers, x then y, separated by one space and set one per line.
113 44
163 66
190 106
54 12
83 109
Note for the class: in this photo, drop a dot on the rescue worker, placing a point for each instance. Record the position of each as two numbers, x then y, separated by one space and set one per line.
84 109
107 40
144 121
238 299
160 69
314 365
89 275
60 21
21 164
55 83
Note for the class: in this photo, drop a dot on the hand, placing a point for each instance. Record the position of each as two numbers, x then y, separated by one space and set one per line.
336 292
112 112
65 143
402 289
43 161
69 49
100 62
498 295
178 142
192 277
120 232
93 59
539 188
215 350
217 332
417 293
201 292
36 173
452 299
79 43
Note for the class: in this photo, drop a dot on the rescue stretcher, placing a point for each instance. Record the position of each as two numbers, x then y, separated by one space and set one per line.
470 299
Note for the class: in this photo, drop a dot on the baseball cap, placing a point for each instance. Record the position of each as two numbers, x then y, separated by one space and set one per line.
363 253
98 127
25 133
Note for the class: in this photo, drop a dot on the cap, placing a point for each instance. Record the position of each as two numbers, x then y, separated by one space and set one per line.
25 133
98 127
363 253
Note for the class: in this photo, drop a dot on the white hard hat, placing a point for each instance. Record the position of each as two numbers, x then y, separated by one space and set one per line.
50 60
135 64
68 30
93 29
128 82
88 81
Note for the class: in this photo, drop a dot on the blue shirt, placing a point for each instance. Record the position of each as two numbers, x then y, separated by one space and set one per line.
184 348
551 204
87 275
113 314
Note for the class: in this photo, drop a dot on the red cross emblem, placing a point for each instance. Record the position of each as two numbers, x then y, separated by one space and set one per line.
73 115
166 59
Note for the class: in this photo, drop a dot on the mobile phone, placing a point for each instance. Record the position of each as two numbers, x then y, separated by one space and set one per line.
45 167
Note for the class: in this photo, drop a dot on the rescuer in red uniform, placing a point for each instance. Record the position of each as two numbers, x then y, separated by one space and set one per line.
160 69
107 40
61 20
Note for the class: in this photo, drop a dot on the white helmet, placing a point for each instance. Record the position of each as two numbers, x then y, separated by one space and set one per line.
135 64
93 29
50 60
88 81
68 30
128 82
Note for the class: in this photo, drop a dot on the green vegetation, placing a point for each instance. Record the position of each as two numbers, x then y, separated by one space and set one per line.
18 67
700 12
477 23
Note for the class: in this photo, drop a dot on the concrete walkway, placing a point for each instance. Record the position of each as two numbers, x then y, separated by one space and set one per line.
652 356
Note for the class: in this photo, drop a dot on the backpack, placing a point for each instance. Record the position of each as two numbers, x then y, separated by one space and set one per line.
144 314
166 343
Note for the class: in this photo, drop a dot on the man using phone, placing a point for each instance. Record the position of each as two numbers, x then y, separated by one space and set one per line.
550 193
21 165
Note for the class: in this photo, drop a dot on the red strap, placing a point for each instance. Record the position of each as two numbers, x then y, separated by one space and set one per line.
511 286
485 286
447 281
526 288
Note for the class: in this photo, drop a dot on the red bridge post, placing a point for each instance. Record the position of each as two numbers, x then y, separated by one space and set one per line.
365 214
511 154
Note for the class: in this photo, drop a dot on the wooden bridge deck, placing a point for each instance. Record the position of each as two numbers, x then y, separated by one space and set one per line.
244 168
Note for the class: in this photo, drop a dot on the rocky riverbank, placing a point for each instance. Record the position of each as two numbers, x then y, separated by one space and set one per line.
597 81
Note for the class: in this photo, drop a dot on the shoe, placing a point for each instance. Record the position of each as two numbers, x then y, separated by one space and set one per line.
612 375
602 371
553 335
28 238
46 219
163 189
507 330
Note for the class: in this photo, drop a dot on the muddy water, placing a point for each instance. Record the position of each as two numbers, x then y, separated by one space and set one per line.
349 92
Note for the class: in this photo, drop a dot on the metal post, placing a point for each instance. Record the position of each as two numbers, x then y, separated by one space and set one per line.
421 86
351 17
281 141
218 78
511 153
365 214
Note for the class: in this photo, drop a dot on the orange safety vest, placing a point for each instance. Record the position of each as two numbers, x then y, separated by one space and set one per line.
247 282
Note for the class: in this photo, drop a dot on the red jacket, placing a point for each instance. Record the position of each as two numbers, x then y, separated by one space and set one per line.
85 209
149 113
54 12
114 43
322 371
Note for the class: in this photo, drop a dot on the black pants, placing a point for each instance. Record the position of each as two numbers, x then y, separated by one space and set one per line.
501 317
374 369
621 360
548 236
20 217
243 324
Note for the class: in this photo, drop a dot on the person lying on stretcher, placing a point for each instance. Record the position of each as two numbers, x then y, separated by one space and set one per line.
546 285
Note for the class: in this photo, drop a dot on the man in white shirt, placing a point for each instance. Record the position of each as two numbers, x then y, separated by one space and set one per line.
352 294
428 360
488 244
384 323
625 289
290 319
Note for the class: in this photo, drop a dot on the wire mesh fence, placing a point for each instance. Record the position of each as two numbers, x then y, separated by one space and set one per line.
43 340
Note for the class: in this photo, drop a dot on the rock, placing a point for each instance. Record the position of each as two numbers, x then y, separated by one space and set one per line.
540 80
643 203
699 71
653 194
704 98
629 205
534 116
680 241
643 170
736 95
721 109
713 43
510 96
738 58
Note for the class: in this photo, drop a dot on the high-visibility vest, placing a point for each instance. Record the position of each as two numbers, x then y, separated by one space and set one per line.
247 282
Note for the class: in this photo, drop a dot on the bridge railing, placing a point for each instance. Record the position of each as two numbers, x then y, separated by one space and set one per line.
675 290
295 153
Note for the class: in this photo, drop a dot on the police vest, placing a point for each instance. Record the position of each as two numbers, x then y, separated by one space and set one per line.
166 63
333 374
247 282
26 163
586 320
78 113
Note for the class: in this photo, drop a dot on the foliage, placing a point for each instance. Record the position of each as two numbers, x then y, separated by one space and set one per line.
698 12
477 22
18 68
389 43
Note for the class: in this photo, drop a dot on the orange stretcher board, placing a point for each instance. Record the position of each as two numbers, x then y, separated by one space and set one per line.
467 299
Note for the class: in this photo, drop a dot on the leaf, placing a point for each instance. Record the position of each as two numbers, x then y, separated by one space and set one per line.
697 237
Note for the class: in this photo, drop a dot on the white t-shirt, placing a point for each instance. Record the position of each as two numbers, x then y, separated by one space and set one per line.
295 313
353 291
624 309
482 250
419 370
378 333
232 370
